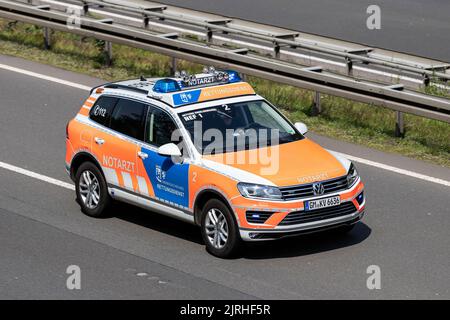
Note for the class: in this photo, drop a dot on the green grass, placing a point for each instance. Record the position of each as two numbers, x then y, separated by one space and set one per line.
346 120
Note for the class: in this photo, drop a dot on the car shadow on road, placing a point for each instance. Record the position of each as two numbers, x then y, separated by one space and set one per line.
157 222
306 244
283 248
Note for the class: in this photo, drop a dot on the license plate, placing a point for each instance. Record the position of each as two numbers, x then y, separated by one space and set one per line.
322 203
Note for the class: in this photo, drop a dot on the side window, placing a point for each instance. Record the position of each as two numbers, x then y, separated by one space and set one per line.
128 118
159 127
102 109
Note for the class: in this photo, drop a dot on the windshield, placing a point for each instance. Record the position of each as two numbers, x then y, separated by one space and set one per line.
237 126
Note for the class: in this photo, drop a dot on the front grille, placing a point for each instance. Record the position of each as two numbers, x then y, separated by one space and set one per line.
298 217
306 190
257 216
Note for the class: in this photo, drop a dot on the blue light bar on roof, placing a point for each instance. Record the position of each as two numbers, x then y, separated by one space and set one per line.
233 76
166 86
218 77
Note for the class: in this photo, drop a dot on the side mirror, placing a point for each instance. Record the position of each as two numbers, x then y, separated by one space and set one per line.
301 127
169 150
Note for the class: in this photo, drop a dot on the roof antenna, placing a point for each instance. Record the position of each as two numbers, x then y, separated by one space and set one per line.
142 78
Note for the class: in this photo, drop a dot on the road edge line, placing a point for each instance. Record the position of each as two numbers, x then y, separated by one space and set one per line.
395 169
37 176
44 77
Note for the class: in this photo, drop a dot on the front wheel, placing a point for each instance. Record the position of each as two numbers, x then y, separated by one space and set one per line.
91 189
219 230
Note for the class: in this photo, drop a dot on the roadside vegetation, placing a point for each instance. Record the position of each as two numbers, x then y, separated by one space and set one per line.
346 120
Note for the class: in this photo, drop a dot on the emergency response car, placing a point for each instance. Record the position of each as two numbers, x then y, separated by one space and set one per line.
208 150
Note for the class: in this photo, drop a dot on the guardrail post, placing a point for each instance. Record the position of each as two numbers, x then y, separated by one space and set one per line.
108 52
426 80
209 35
47 38
145 20
85 7
317 107
349 64
399 125
399 122
173 66
45 30
108 44
211 29
276 51
291 36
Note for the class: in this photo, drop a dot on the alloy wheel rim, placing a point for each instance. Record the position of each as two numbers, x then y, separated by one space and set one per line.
89 189
216 228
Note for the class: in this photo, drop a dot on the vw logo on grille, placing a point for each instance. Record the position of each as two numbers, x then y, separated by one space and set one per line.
318 188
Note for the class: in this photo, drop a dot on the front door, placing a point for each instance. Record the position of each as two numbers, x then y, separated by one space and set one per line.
168 180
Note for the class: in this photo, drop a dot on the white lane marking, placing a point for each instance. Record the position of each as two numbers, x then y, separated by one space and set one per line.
396 170
38 176
44 77
360 160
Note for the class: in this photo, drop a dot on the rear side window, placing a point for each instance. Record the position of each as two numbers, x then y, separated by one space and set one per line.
102 110
128 118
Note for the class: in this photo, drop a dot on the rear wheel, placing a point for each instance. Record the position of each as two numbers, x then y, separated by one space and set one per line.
91 190
219 230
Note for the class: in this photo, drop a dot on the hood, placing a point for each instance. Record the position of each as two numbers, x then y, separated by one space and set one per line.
292 163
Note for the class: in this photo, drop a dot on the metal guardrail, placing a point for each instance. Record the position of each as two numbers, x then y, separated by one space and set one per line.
369 75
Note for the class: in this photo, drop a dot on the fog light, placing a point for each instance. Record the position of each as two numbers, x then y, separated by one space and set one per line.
360 198
253 235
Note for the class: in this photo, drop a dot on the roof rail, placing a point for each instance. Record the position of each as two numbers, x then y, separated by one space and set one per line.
125 87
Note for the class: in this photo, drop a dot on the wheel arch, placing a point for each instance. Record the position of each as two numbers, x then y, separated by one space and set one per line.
81 158
202 198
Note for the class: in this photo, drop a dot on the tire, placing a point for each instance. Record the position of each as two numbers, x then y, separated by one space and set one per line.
222 249
92 206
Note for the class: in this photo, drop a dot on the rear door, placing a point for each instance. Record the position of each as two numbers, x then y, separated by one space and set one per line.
115 142
120 151
100 137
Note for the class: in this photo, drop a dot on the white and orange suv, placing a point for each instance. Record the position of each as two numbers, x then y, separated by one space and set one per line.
208 150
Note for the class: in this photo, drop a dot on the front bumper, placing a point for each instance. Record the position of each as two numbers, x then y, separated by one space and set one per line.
304 228
273 228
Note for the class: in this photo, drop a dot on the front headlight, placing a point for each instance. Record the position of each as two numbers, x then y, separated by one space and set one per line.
259 191
352 175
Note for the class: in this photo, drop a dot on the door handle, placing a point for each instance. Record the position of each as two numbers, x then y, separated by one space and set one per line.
99 141
142 155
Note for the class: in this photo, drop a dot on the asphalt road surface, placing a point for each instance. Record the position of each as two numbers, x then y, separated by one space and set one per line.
411 26
142 255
